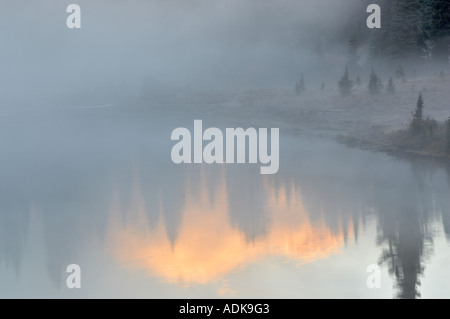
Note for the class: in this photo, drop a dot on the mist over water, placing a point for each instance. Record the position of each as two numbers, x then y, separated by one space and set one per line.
86 175
107 198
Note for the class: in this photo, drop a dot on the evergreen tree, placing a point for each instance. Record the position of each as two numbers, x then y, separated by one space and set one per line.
374 83
391 88
440 31
358 81
352 58
300 86
426 8
345 84
408 27
406 39
418 114
417 122
377 37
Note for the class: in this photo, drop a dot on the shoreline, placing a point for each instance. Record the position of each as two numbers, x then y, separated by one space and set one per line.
391 149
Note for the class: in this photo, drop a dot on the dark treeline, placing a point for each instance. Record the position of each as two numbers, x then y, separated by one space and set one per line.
414 40
411 31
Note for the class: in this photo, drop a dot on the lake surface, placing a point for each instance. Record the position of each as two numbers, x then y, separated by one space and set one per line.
96 187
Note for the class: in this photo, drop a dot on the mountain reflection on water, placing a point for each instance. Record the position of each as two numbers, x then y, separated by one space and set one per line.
196 225
209 243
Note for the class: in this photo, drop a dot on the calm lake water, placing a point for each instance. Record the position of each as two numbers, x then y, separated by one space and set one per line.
96 187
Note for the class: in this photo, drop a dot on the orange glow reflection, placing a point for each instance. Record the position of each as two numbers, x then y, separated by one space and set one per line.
208 247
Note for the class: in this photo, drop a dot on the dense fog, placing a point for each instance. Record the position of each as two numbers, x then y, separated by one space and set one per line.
165 45
86 174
